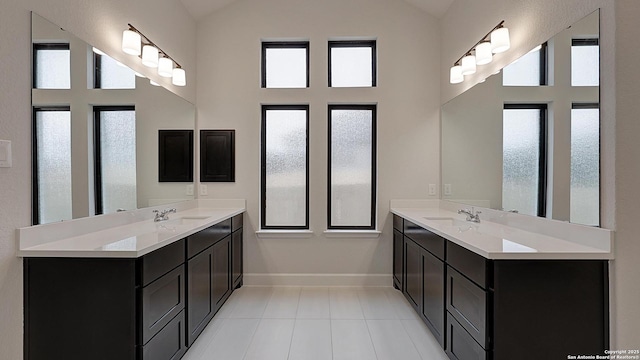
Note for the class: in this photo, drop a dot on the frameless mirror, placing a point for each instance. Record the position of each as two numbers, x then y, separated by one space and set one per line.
96 130
527 139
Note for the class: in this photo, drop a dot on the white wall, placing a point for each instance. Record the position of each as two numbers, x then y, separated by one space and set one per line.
531 22
100 23
229 97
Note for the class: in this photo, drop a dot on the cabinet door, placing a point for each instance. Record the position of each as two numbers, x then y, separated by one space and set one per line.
413 273
398 264
433 294
221 280
236 260
162 300
169 343
199 289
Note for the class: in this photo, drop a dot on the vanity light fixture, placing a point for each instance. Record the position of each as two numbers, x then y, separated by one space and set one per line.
98 51
496 41
153 83
136 43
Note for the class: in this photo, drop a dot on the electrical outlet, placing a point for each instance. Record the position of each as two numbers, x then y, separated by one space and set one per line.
204 190
432 189
447 189
190 189
5 154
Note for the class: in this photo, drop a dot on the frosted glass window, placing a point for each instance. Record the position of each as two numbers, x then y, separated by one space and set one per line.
585 62
117 158
285 167
52 66
529 70
352 63
521 165
352 167
110 74
585 166
53 166
285 64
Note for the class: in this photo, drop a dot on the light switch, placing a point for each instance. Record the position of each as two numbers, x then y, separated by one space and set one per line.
5 154
432 189
204 190
447 189
190 189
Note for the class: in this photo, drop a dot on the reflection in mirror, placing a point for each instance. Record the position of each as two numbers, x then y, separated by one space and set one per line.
527 139
96 131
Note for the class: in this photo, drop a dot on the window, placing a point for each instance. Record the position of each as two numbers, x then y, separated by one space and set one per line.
285 167
115 158
352 167
529 70
524 158
585 62
52 165
352 63
51 66
111 74
585 164
285 64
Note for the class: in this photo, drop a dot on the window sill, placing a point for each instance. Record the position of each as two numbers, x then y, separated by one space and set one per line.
372 234
284 234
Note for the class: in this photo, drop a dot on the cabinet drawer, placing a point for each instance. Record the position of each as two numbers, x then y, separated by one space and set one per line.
467 303
460 345
207 237
397 223
472 265
162 300
169 343
425 238
161 261
236 223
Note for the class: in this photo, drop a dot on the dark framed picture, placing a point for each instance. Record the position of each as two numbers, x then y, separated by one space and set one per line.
217 156
175 155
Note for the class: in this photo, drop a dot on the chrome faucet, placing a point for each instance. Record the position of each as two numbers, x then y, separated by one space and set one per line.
472 215
164 215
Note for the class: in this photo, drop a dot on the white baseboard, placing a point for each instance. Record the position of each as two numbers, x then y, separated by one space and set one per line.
318 279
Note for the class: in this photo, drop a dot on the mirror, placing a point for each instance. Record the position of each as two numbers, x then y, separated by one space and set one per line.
529 143
71 117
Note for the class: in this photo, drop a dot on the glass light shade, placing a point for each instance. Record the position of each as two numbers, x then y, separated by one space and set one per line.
153 83
483 53
500 40
179 77
455 75
468 65
150 56
139 75
131 42
165 67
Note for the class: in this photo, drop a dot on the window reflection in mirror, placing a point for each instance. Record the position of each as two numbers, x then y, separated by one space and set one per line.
480 146
125 176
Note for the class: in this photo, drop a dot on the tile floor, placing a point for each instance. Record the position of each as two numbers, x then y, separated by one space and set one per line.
299 323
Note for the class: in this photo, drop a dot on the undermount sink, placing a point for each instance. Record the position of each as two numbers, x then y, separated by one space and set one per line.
447 221
186 220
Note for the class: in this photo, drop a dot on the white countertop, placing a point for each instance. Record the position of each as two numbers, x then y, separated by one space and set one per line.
493 240
130 240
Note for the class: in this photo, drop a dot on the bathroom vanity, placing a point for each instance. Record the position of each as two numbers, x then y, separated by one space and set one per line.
144 290
494 291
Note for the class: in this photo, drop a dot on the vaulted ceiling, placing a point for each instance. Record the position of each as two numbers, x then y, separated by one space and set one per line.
201 8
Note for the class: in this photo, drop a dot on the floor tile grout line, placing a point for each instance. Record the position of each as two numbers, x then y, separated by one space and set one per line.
253 335
411 339
373 345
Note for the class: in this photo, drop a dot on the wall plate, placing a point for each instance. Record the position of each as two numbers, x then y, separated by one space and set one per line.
5 154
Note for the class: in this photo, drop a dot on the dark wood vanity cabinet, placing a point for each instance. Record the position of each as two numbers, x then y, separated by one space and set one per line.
213 273
424 276
147 308
504 309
